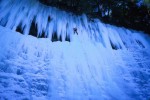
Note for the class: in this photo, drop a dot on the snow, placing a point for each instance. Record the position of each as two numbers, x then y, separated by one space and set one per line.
102 62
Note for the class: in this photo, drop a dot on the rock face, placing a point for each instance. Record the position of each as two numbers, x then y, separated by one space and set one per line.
101 62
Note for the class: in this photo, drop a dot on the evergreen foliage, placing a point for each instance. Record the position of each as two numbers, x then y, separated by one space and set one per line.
119 12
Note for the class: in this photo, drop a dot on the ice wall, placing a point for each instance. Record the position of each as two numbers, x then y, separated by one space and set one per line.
38 69
32 17
100 61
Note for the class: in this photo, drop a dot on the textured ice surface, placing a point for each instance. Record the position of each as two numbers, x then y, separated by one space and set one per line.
39 69
23 14
102 62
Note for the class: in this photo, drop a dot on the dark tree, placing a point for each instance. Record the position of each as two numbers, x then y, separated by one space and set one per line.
125 13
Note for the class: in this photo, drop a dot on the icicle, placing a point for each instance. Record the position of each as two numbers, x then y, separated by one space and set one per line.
51 22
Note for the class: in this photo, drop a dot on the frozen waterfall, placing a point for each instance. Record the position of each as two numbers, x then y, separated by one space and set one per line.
97 62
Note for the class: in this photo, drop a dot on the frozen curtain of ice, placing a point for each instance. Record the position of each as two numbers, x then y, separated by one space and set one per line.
49 21
101 62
